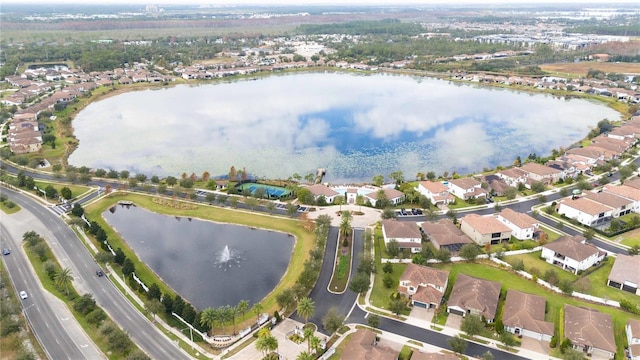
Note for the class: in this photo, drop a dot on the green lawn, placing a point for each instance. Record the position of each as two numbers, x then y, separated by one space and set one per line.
555 302
532 260
380 295
7 210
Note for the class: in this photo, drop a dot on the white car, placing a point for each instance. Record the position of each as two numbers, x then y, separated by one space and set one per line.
23 295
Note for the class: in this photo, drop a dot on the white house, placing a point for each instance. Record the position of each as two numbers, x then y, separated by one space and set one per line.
585 211
633 338
625 274
620 205
514 176
424 285
523 315
522 225
627 192
406 233
542 173
485 229
466 188
319 190
572 253
393 195
436 192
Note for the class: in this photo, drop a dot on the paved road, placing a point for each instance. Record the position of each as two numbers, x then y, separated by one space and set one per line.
72 253
428 336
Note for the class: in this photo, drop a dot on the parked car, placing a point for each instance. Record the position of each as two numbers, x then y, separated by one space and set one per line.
6 251
23 295
403 211
414 211
99 273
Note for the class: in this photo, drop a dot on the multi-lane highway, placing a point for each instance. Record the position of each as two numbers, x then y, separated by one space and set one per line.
72 253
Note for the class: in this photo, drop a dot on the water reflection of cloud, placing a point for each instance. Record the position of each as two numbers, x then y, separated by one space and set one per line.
281 125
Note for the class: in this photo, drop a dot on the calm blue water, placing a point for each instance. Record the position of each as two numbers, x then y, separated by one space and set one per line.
355 126
187 255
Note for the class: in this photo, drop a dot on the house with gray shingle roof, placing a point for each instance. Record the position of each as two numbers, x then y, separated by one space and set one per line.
523 315
425 286
406 233
589 331
466 188
474 296
632 329
572 253
625 274
585 211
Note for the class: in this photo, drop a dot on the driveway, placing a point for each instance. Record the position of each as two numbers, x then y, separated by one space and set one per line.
538 346
454 321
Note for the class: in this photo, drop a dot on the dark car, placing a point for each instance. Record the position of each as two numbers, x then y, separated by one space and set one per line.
99 273
414 211
6 251
403 211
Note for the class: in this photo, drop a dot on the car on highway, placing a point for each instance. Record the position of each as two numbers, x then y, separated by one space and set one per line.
99 273
6 251
23 295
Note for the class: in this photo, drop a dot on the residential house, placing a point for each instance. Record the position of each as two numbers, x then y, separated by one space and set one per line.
589 331
485 229
634 183
474 296
362 345
394 196
466 188
425 286
620 205
436 192
523 315
571 253
319 190
632 329
542 173
523 226
514 176
497 185
585 211
625 275
406 233
626 192
444 234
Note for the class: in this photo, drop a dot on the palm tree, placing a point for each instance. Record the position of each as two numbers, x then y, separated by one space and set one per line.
306 308
307 335
208 318
314 341
305 356
64 278
242 307
257 309
266 342
345 227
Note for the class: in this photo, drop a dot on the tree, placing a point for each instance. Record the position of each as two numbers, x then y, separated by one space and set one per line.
292 209
373 320
443 255
332 320
208 318
360 283
472 324
469 252
573 354
285 298
507 339
128 267
266 342
154 306
397 177
397 306
458 344
77 210
306 308
154 292
251 203
388 213
538 186
431 175
487 356
171 181
387 268
63 279
510 192
257 309
305 355
124 174
430 215
50 192
66 194
378 180
393 248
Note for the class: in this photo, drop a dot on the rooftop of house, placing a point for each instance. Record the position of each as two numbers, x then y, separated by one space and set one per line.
519 219
362 346
419 274
433 187
584 326
608 199
572 247
465 182
388 192
485 224
526 311
473 293
634 324
626 268
445 232
539 169
623 190
586 206
394 229
319 189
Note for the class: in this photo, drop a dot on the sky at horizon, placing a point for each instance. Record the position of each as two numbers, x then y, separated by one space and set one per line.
321 2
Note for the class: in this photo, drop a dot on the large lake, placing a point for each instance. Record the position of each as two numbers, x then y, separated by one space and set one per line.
356 126
190 255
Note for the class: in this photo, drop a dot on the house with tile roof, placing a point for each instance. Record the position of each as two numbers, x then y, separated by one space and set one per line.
620 205
474 296
585 211
417 355
523 226
632 329
542 173
589 331
362 345
394 196
513 176
626 192
485 229
425 286
523 315
436 192
625 274
466 188
406 233
572 253
444 234
319 190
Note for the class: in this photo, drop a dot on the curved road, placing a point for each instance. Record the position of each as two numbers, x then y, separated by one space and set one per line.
77 257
